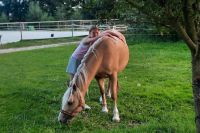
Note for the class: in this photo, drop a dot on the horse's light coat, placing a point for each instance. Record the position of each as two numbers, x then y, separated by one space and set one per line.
94 63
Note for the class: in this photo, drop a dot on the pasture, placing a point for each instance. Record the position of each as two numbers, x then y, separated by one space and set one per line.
155 92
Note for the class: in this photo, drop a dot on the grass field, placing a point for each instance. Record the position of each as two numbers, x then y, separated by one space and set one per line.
155 92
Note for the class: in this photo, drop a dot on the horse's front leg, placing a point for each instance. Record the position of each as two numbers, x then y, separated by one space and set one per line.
103 96
114 88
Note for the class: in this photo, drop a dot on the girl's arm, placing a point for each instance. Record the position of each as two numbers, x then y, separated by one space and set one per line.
115 33
89 40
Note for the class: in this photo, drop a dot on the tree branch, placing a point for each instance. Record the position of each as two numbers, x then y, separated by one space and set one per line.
172 22
169 22
188 13
140 8
182 32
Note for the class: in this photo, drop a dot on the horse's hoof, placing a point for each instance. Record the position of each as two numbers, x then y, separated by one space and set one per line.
116 119
86 107
108 95
104 110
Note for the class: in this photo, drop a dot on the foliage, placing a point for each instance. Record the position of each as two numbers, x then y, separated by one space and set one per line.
98 9
60 13
35 13
52 6
77 15
15 10
138 21
19 10
180 16
3 18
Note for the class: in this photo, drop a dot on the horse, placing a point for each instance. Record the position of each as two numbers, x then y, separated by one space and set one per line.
104 59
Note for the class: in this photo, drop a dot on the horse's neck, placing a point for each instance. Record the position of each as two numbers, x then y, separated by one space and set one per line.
88 67
91 68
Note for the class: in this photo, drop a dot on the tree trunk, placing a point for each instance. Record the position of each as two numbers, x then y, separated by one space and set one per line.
196 88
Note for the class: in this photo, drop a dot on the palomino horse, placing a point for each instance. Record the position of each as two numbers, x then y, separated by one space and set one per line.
105 58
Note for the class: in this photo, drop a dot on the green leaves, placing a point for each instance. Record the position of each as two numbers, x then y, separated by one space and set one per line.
3 18
35 13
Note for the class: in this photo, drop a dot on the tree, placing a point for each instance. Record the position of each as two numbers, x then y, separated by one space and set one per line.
54 7
18 10
3 18
183 16
35 13
98 9
15 10
77 13
60 13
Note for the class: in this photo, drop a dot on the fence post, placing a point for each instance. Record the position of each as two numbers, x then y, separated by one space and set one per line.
72 29
0 41
58 24
21 28
39 26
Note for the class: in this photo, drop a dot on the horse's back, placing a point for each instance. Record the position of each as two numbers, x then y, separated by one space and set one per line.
115 54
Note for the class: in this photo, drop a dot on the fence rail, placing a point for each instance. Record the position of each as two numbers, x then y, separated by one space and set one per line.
67 25
16 31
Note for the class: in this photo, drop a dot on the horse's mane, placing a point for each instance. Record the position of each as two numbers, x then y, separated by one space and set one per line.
81 75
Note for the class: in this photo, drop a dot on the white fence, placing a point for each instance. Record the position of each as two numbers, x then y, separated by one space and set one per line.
16 31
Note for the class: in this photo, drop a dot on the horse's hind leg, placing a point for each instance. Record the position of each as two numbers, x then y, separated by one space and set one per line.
108 92
113 80
103 96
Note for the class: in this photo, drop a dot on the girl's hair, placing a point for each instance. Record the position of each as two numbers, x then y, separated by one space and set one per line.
93 27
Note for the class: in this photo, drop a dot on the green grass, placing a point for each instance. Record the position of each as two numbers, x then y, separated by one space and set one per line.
155 93
25 43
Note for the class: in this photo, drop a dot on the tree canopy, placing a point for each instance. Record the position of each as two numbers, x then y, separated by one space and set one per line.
19 10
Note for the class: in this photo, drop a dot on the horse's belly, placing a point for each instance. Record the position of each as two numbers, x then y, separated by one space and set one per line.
102 75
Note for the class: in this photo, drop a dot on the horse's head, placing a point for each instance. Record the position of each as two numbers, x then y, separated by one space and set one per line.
72 103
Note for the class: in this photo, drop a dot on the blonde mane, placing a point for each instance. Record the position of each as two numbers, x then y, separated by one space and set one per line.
81 75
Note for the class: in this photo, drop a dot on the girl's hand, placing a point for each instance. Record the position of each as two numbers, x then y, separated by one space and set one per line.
107 34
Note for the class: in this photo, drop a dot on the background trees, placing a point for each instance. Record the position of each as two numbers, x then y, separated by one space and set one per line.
3 18
24 10
35 13
15 10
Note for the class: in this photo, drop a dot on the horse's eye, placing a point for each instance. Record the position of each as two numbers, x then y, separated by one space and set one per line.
69 103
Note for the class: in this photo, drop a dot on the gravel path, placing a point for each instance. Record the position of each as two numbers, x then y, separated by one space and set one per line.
11 50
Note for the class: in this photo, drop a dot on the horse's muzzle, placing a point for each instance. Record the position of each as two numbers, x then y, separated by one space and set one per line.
64 118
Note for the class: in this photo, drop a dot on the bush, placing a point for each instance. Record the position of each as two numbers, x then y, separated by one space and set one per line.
35 13
3 18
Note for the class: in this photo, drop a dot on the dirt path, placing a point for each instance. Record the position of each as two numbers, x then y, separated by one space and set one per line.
11 50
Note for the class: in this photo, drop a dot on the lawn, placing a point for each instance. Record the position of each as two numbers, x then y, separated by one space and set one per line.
155 92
